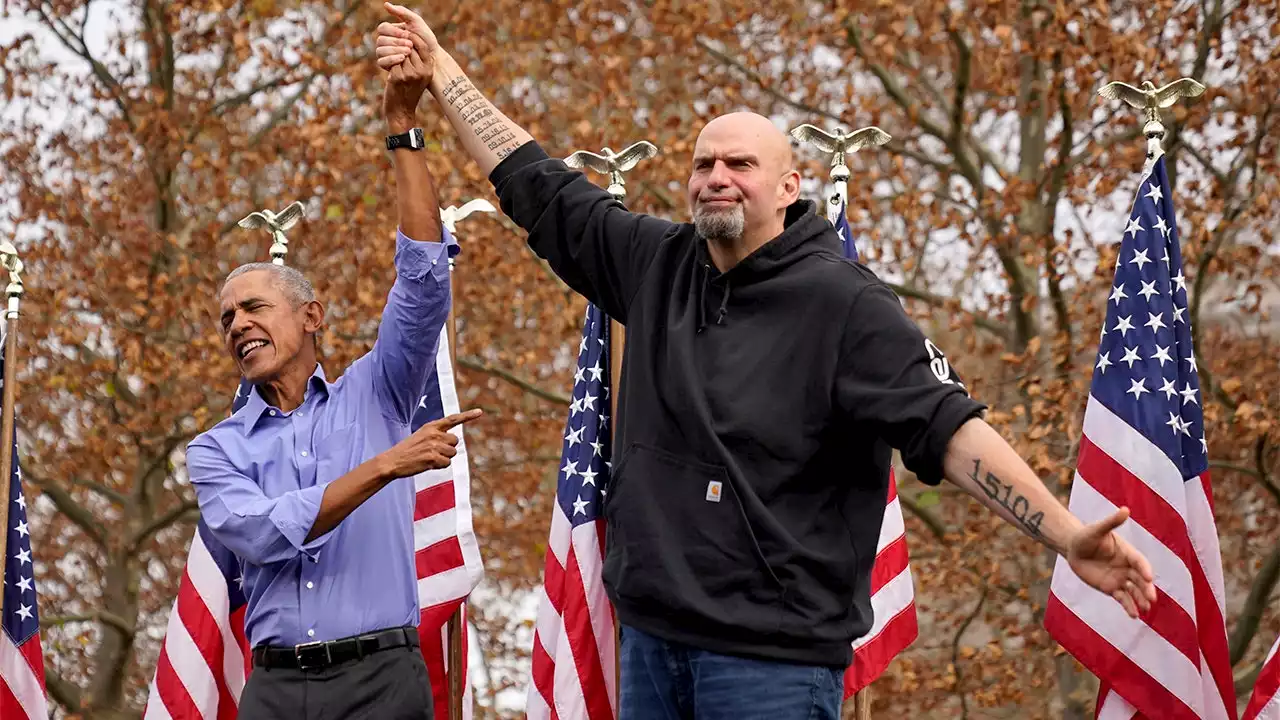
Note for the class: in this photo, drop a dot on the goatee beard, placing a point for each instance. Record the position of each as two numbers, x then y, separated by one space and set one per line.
719 225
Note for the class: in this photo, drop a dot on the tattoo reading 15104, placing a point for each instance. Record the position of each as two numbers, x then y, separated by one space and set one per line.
1002 494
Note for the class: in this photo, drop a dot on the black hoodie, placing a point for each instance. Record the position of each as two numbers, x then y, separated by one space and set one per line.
755 418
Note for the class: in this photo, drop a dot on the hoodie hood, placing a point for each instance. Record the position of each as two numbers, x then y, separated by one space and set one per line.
804 233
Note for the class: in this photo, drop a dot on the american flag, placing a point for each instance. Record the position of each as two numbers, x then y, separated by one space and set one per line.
205 660
1143 447
893 603
574 646
1265 703
22 692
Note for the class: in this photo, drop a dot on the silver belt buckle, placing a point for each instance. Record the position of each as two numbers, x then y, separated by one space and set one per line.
300 650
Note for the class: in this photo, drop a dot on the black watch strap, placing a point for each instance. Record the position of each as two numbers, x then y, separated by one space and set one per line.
412 140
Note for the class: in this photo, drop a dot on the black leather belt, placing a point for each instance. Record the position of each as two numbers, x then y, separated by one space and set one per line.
321 655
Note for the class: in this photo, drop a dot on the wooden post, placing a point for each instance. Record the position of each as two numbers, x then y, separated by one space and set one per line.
14 292
617 339
6 427
456 626
858 707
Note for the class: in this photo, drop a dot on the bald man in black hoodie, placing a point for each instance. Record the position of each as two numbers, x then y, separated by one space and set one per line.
765 380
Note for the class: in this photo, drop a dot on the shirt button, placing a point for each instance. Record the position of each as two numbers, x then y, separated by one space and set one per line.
310 585
304 453
300 413
311 633
271 413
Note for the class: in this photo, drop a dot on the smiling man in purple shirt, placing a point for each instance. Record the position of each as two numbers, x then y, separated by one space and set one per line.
310 483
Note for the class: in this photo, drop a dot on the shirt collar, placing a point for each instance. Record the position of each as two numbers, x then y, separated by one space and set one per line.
255 406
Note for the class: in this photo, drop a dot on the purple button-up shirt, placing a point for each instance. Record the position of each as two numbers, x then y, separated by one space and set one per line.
259 476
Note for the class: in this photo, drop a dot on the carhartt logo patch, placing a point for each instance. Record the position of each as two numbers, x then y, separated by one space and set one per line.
713 491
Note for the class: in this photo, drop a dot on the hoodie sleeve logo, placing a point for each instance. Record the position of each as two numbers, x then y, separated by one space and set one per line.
940 367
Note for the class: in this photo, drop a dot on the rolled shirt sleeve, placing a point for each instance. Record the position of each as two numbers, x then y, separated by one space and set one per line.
409 332
257 528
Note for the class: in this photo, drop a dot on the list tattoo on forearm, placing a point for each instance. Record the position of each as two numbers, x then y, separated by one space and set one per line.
1017 505
480 116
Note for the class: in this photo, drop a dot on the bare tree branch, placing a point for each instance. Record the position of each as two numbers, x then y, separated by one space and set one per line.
63 692
102 616
68 506
1254 606
985 323
955 648
929 519
476 364
181 511
106 492
763 84
1244 681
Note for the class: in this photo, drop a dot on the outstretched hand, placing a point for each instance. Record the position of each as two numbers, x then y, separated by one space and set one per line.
1106 562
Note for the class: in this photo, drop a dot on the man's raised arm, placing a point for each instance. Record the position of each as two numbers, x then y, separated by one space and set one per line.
590 240
404 354
486 134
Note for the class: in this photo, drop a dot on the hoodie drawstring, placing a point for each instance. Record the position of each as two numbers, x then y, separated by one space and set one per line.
701 300
724 304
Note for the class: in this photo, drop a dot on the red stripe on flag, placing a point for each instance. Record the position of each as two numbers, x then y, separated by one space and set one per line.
874 657
1127 678
433 500
1162 521
544 674
30 651
205 633
173 693
9 707
889 563
582 639
237 630
1265 690
437 558
433 654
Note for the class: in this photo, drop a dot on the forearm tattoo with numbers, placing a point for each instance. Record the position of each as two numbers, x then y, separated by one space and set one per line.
480 116
1016 504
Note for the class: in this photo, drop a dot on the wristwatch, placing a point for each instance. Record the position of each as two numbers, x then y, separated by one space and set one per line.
412 140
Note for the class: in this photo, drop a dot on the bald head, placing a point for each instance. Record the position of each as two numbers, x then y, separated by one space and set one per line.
753 129
743 180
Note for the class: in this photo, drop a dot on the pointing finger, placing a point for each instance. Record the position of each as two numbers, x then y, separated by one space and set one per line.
452 421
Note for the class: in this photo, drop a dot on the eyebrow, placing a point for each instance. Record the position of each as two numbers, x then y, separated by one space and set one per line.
748 157
242 304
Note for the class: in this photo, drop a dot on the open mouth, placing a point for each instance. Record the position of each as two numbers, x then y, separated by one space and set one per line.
248 348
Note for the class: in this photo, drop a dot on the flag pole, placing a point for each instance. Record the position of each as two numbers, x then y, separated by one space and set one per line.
14 290
456 627
836 204
840 143
614 164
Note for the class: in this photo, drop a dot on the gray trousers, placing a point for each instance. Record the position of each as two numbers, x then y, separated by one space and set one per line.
387 685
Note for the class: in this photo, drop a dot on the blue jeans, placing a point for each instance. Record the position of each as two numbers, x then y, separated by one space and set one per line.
668 681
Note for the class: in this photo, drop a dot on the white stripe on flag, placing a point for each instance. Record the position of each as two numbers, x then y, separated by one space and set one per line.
1171 574
586 545
21 681
192 671
893 526
1134 639
207 580
893 598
